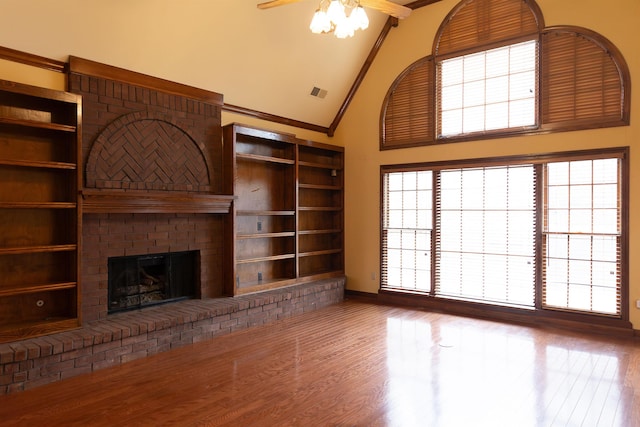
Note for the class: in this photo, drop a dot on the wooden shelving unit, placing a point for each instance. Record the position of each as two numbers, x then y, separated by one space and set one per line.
288 215
320 209
39 211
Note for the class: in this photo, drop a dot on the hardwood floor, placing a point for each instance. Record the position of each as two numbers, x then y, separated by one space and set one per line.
356 364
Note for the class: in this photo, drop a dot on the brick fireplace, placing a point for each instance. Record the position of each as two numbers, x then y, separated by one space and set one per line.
116 235
156 180
140 281
153 180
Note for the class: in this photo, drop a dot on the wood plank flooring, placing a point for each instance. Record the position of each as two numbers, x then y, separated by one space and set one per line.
357 364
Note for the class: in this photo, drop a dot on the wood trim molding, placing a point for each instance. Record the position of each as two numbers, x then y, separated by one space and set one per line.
391 23
32 60
100 201
96 69
273 118
361 296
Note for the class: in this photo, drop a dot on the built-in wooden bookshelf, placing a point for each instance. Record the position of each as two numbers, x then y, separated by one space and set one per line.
288 210
320 213
39 211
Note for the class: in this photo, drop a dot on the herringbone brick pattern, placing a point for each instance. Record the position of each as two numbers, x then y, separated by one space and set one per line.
147 154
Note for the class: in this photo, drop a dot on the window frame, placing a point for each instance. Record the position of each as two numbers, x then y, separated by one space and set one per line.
475 32
488 133
538 311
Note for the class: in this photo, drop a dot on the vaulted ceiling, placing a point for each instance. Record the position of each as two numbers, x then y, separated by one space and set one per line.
263 60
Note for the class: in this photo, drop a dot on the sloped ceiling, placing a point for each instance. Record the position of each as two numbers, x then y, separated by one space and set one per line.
264 60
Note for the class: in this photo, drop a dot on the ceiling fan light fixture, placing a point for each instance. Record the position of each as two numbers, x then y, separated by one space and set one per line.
336 11
344 29
331 16
320 22
359 18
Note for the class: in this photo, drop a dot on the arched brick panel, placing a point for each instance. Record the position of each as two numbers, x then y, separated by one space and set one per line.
147 151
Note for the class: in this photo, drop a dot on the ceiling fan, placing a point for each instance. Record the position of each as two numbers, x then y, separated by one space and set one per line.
384 6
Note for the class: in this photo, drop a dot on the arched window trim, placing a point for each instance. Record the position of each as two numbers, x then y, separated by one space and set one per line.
577 124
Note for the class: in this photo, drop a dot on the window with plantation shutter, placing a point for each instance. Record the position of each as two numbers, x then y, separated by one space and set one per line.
407 228
408 113
486 234
488 90
546 234
582 236
572 78
475 25
581 79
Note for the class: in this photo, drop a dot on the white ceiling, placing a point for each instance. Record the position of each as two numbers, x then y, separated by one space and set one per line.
265 60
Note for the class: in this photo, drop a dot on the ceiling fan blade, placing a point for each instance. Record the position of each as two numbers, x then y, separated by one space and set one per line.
274 3
387 7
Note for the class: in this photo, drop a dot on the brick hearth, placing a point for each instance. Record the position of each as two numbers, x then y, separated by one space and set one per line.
133 335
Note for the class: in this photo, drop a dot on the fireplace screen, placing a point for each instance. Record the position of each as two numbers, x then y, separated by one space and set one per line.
140 281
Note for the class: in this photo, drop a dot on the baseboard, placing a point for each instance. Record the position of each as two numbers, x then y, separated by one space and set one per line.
565 321
360 295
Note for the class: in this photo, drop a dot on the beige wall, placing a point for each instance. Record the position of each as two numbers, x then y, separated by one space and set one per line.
21 73
617 20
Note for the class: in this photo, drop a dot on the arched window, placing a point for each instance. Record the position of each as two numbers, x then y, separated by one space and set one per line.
408 113
495 70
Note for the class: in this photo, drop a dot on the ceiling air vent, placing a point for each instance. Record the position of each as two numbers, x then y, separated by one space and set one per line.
318 93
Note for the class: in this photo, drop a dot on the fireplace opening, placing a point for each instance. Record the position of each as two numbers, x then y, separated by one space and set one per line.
141 281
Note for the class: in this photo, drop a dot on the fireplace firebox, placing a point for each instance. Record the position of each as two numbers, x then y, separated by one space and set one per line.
140 281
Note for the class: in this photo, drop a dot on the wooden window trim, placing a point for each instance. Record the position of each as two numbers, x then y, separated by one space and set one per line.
537 315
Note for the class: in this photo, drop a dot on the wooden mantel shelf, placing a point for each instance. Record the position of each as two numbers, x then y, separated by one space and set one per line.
105 201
